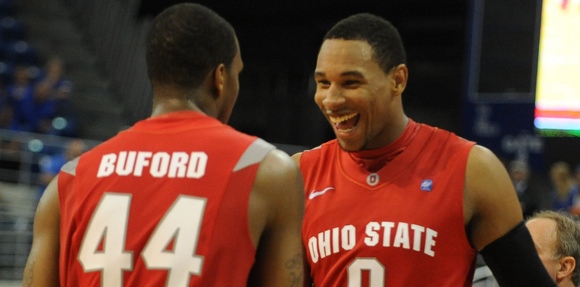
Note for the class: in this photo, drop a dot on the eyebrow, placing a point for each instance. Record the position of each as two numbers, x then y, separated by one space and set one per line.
346 73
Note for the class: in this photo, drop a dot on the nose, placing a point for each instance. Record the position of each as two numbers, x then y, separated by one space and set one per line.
333 97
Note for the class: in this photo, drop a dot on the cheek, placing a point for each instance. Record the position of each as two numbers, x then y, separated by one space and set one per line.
234 87
318 98
550 264
380 103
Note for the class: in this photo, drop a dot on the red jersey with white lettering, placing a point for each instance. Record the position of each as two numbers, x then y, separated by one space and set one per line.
164 203
400 224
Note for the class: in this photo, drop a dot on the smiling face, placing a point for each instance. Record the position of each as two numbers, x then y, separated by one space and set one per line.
361 101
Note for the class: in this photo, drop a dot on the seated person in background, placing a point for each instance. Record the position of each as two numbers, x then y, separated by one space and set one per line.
20 97
577 174
530 193
557 239
53 84
564 192
576 208
52 94
556 236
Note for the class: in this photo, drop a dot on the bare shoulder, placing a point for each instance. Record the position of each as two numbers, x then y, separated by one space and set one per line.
276 212
483 167
278 163
491 206
279 178
296 157
278 182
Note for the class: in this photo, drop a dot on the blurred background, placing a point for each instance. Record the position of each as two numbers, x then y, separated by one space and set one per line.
73 74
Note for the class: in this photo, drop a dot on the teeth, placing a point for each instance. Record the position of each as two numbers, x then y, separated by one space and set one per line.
335 120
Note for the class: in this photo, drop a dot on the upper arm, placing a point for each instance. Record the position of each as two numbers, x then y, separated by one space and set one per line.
491 205
42 265
279 258
296 157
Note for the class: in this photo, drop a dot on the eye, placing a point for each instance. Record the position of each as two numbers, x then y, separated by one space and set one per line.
351 83
323 83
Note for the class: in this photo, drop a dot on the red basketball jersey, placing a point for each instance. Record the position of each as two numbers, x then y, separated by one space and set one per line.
164 203
399 226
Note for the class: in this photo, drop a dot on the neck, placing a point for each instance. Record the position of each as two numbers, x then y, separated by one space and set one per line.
391 134
168 99
165 106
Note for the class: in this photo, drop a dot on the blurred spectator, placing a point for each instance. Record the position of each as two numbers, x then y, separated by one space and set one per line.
557 239
576 208
556 235
50 164
20 97
565 190
531 193
577 175
52 84
6 111
54 91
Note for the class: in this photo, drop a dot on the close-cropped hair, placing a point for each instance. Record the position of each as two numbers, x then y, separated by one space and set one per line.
187 41
567 236
380 34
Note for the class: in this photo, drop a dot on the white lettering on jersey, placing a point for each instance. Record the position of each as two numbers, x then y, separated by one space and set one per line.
342 239
402 236
383 234
159 164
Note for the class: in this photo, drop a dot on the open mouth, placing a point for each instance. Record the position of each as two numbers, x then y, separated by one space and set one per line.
345 123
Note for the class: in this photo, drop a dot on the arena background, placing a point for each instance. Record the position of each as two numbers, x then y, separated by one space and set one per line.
280 40
101 43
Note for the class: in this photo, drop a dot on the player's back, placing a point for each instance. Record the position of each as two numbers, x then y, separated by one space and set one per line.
164 203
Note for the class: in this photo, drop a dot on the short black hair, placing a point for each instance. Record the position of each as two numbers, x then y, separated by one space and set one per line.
382 36
187 41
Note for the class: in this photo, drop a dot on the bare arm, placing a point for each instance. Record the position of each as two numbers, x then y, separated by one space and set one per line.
296 158
42 266
491 204
278 195
496 223
307 279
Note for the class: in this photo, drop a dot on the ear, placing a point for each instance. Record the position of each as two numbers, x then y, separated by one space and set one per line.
400 76
219 78
567 266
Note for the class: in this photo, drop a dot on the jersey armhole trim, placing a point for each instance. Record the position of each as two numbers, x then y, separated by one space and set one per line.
255 153
71 166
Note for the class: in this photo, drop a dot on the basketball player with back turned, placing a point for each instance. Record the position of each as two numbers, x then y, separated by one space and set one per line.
180 198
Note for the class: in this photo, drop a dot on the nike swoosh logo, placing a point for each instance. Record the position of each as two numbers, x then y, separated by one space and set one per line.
314 194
